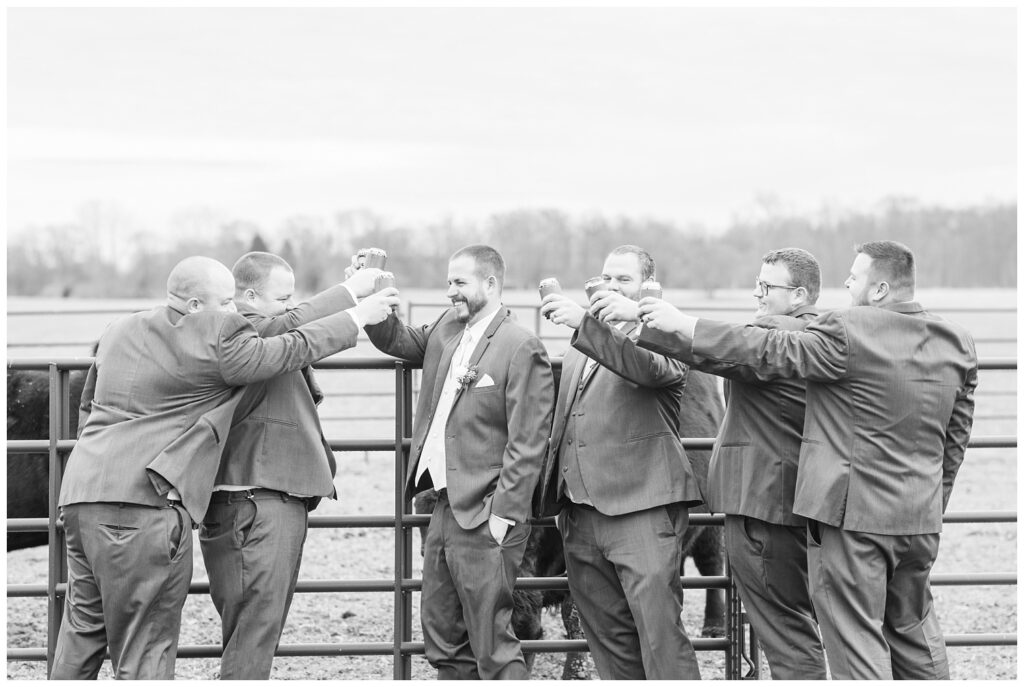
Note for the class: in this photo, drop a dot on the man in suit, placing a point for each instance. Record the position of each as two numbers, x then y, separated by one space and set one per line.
752 477
890 404
157 404
620 482
276 466
481 429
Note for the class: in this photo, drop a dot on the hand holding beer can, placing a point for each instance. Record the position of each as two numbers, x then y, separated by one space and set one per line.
651 289
549 286
383 281
593 285
376 257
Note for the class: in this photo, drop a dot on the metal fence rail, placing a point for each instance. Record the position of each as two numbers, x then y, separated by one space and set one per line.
533 318
737 654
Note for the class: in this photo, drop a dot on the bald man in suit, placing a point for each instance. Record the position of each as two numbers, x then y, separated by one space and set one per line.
481 429
156 408
620 482
890 405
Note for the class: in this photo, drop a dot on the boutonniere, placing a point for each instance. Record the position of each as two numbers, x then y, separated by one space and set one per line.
467 377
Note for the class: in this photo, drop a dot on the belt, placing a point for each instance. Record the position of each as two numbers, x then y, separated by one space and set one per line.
258 493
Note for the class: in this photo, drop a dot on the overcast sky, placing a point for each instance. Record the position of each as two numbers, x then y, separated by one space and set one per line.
680 114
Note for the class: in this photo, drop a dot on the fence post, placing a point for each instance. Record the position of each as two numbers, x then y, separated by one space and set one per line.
402 669
57 560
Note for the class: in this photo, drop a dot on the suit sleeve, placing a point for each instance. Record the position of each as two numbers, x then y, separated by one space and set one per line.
245 357
818 353
680 347
327 302
958 432
88 393
620 354
529 402
401 340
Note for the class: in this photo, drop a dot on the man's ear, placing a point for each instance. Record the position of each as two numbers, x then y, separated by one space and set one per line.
249 295
881 291
193 305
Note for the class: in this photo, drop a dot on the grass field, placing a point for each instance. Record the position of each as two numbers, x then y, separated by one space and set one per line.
987 481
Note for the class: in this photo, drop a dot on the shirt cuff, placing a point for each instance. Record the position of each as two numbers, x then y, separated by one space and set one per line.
355 318
350 292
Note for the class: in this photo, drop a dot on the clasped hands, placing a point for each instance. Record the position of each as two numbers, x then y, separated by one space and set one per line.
373 308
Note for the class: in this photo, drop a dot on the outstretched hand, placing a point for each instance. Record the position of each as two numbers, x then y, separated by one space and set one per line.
560 310
375 309
361 281
659 314
611 306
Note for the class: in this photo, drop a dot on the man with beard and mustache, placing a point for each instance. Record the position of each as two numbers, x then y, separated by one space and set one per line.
752 476
890 405
482 423
620 482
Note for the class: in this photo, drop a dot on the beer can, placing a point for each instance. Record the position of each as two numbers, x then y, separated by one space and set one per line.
383 281
376 257
593 285
549 286
650 289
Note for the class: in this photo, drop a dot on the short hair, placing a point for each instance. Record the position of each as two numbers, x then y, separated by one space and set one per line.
892 262
647 266
252 270
802 266
489 262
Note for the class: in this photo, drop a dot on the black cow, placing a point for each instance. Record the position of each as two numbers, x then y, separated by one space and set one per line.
702 412
28 474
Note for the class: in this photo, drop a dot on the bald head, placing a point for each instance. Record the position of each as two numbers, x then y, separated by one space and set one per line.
200 283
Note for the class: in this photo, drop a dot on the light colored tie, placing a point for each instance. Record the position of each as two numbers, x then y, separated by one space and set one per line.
433 448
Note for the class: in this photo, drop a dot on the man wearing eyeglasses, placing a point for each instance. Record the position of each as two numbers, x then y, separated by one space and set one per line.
752 475
890 405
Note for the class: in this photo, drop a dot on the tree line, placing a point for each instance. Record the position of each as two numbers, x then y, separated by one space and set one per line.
955 247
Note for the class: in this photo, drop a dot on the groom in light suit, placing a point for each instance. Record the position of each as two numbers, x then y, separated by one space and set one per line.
479 439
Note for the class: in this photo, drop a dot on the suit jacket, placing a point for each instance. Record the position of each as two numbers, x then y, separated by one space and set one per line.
160 398
625 416
890 404
280 444
754 463
496 436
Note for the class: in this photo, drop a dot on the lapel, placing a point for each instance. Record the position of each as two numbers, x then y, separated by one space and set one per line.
627 330
482 345
443 365
573 379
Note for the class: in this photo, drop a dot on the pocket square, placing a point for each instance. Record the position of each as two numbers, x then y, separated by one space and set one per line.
484 381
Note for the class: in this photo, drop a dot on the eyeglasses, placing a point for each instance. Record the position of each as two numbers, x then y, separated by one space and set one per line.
761 288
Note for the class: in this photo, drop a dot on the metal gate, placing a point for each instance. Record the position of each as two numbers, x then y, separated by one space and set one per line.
739 645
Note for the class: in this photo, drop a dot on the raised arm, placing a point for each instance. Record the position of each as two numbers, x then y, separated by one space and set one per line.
400 340
620 354
818 353
679 346
327 302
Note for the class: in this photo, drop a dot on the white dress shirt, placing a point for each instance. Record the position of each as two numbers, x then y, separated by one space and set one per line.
433 455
